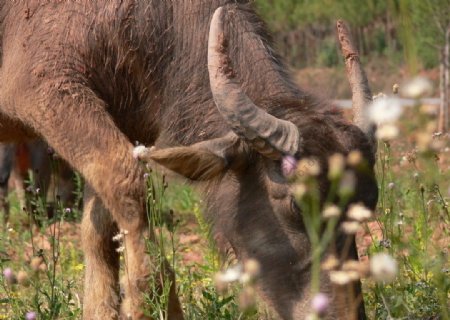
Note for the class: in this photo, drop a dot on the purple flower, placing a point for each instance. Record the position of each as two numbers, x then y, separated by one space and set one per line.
31 315
288 165
320 303
9 275
67 210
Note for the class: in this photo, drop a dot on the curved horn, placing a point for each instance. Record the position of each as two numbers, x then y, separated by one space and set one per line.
267 134
361 94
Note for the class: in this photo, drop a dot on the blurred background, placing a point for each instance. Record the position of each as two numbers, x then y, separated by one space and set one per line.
397 39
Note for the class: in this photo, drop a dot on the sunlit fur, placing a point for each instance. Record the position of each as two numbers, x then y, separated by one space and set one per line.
92 77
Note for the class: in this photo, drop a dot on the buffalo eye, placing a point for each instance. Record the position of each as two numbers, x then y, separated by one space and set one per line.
294 207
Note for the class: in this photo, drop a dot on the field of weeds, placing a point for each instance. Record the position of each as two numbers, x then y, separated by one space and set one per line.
403 246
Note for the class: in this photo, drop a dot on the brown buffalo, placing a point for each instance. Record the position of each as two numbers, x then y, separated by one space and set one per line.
93 76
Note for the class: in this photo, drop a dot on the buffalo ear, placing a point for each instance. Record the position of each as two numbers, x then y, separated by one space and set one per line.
191 162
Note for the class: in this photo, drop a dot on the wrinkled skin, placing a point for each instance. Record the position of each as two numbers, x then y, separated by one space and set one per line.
92 77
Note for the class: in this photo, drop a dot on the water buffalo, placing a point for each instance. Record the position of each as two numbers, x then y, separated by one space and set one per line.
93 76
6 165
34 157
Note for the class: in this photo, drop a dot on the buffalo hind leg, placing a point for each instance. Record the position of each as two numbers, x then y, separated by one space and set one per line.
102 259
78 128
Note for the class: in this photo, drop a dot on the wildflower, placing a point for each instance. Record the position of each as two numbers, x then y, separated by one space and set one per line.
385 110
139 152
395 88
347 184
423 141
118 237
359 212
222 279
288 166
383 267
22 278
350 227
31 315
232 274
331 211
37 190
387 132
9 276
67 210
252 267
308 167
320 303
355 268
385 243
36 263
330 263
50 151
379 95
146 175
251 271
336 164
340 277
247 299
120 249
429 109
391 185
417 88
299 191
354 158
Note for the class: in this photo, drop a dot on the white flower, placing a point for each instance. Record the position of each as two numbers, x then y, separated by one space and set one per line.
139 152
359 212
118 237
299 190
340 277
383 267
308 167
416 88
231 274
387 132
350 227
331 211
336 165
395 88
120 249
354 158
385 110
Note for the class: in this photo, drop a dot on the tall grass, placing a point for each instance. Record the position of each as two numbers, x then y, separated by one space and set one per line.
42 267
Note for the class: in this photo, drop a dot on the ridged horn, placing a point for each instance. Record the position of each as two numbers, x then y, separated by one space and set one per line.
270 136
361 94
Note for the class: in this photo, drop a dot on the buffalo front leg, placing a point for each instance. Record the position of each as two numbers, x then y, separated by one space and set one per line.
75 123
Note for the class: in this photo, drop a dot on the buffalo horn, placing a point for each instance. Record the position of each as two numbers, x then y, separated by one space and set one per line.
270 136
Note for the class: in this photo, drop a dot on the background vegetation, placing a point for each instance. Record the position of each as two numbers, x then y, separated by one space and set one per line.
405 31
42 268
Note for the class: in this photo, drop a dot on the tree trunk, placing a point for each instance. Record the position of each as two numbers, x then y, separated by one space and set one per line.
444 84
447 79
441 119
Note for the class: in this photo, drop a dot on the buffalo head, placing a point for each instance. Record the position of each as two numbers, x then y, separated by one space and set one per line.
250 202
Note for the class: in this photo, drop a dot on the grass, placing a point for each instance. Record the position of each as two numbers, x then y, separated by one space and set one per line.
411 224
